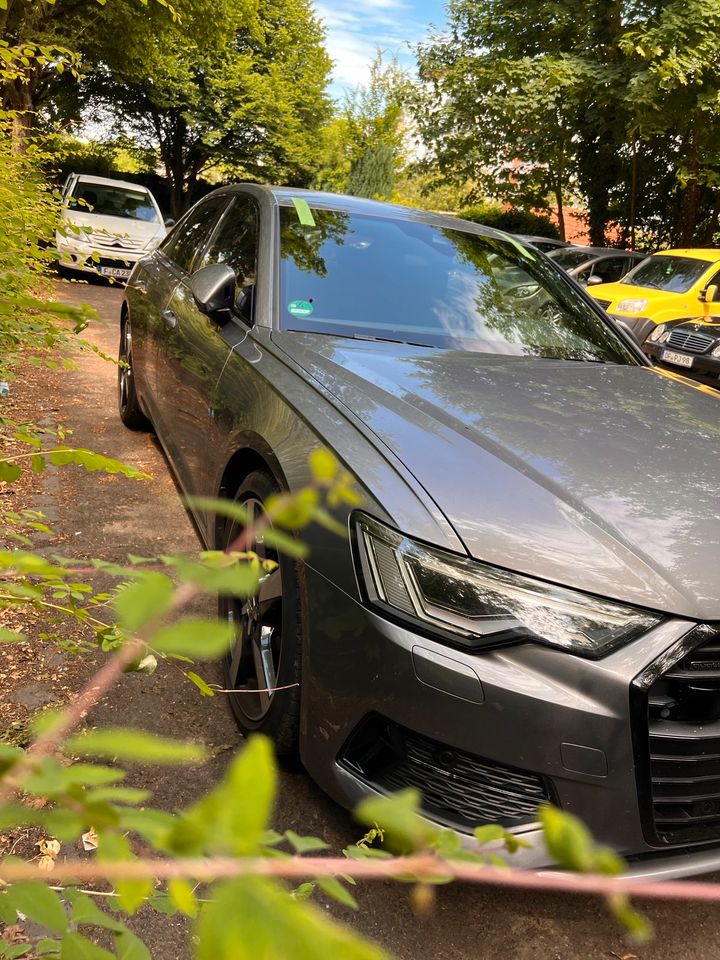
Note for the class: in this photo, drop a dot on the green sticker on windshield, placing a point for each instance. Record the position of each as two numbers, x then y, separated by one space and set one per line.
303 211
300 308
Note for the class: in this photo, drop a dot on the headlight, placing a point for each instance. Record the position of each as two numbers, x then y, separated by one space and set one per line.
657 333
631 306
715 352
473 605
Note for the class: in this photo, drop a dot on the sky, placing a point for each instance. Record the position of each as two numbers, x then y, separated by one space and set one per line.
356 28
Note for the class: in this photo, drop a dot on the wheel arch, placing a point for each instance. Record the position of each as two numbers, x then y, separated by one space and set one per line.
253 453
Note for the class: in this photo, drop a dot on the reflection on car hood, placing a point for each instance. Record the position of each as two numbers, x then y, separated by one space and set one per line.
601 477
628 291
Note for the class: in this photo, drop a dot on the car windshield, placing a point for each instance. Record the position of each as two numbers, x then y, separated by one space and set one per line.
669 273
400 279
109 201
569 258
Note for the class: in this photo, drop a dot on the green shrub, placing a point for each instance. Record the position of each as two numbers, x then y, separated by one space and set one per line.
512 221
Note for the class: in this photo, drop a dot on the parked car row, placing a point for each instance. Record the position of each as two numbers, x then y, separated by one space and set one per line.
524 609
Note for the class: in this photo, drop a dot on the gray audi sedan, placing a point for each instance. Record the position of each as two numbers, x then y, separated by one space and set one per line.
526 608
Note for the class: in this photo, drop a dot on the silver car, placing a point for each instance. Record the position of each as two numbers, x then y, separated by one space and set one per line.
525 608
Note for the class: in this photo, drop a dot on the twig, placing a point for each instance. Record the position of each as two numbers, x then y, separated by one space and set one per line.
419 867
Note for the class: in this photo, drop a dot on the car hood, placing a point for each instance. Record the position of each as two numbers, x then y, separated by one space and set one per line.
114 226
628 291
599 476
699 325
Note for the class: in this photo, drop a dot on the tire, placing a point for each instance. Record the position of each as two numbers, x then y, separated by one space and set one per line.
268 649
128 404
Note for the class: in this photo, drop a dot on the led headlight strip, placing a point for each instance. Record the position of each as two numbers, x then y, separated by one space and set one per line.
474 605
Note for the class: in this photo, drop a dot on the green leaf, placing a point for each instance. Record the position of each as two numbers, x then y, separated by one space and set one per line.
113 847
76 947
39 903
234 816
333 888
38 463
195 637
204 689
130 947
254 917
60 456
9 472
304 844
488 834
568 840
285 543
147 598
9 951
86 912
398 816
128 743
637 925
10 636
129 795
47 947
181 894
323 465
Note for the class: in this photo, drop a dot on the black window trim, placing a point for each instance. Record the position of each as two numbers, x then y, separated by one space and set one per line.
210 198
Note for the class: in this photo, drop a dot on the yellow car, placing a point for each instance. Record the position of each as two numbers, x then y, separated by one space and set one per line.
666 286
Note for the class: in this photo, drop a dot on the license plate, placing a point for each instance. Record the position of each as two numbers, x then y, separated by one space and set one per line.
679 359
115 272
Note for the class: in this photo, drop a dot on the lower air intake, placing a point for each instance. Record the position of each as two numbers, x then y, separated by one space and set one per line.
458 788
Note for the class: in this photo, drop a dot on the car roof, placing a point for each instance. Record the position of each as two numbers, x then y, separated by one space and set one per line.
534 238
110 182
697 253
597 251
361 205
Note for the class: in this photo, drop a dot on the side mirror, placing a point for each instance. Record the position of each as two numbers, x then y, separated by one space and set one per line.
594 280
213 288
169 222
706 297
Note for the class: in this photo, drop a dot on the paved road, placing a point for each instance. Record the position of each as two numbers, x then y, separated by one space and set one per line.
109 517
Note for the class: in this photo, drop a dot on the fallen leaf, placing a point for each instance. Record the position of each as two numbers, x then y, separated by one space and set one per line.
49 847
90 839
46 864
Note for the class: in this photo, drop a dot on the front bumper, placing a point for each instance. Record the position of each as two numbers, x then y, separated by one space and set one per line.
111 262
528 713
705 369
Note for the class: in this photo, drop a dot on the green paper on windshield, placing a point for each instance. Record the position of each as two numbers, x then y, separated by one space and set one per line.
304 212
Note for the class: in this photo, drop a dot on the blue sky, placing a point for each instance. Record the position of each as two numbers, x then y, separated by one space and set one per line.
355 28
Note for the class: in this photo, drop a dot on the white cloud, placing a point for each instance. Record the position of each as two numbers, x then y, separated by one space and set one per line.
355 30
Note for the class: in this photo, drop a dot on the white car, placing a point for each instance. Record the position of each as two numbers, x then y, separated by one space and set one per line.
107 225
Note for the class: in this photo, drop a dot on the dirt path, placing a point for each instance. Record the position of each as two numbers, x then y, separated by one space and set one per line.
109 517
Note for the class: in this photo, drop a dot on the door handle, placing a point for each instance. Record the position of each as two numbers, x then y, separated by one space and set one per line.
169 318
139 285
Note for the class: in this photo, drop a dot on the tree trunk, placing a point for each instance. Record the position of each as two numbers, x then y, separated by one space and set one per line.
560 211
633 194
18 99
689 210
713 222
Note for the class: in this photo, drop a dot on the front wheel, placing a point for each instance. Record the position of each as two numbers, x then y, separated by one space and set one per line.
128 404
263 665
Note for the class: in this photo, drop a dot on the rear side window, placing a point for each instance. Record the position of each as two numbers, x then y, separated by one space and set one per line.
187 240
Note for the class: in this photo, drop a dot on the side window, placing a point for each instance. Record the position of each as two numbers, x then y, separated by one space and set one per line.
612 268
236 244
190 235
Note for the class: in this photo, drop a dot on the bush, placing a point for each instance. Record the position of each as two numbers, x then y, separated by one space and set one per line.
512 221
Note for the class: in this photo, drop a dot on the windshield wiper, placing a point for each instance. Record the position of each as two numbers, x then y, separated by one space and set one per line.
365 336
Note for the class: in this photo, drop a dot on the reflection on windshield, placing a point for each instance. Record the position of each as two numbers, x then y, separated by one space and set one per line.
567 259
98 198
672 274
403 280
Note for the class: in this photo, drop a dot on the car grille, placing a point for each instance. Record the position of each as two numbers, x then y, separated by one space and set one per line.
684 742
458 788
108 241
108 262
603 303
692 342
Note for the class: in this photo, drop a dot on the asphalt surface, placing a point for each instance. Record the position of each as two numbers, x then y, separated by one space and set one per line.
111 517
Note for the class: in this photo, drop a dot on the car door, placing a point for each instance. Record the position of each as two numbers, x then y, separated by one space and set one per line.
194 348
157 281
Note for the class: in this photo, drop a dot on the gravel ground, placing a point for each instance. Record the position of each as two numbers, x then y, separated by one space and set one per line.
108 517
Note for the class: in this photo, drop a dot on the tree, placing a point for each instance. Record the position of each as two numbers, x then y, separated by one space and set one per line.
533 102
236 83
363 146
